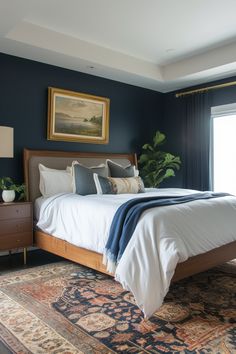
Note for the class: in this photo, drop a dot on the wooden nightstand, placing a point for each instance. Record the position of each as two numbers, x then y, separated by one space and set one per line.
16 226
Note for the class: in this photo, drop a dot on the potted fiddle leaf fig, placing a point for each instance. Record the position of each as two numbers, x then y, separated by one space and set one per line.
157 165
10 188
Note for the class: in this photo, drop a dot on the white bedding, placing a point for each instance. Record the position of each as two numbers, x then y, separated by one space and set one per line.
164 236
37 206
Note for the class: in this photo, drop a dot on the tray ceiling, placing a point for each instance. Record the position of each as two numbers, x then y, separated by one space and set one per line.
157 44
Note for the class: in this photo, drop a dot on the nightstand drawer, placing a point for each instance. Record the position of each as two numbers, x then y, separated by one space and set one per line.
8 242
15 211
15 226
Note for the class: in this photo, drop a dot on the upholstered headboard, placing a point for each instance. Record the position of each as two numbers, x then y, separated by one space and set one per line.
60 160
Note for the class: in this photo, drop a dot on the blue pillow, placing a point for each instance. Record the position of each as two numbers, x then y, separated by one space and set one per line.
83 178
118 171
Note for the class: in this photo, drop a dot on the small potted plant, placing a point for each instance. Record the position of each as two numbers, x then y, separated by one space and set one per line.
10 188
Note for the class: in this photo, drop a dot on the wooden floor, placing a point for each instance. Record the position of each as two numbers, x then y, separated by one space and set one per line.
34 258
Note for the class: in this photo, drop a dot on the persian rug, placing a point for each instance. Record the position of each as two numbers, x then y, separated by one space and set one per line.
67 308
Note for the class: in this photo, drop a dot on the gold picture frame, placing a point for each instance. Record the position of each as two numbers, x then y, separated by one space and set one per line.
77 117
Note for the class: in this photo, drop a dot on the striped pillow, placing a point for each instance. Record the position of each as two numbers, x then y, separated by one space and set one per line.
110 185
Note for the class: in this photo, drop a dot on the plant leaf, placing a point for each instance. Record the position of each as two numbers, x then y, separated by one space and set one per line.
143 158
159 138
147 147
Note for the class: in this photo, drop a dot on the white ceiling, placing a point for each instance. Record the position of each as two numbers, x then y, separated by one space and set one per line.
158 44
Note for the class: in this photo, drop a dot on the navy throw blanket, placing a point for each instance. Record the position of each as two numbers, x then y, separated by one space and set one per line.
128 214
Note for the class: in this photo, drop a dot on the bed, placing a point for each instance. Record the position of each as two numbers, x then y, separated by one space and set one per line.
92 259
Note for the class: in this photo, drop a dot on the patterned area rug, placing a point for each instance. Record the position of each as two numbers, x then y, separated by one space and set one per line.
66 308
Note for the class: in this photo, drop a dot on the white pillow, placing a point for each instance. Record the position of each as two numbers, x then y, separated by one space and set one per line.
44 168
54 181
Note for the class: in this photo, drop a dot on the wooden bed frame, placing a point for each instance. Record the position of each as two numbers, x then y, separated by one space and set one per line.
92 259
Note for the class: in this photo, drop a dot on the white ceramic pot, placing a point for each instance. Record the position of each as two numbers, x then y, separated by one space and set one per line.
8 196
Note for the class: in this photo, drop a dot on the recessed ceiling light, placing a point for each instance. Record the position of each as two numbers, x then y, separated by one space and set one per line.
170 50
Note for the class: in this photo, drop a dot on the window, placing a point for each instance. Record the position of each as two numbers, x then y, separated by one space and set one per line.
224 148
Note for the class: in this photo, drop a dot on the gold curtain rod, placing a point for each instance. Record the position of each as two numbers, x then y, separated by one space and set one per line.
214 87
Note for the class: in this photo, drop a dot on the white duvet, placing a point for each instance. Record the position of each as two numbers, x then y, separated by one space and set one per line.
164 236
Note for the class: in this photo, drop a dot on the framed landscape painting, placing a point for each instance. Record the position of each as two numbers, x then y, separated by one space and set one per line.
74 116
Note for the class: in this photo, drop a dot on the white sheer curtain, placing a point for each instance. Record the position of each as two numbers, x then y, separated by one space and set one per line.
224 148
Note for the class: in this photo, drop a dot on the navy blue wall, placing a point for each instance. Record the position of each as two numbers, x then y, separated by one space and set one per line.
23 105
135 113
173 120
